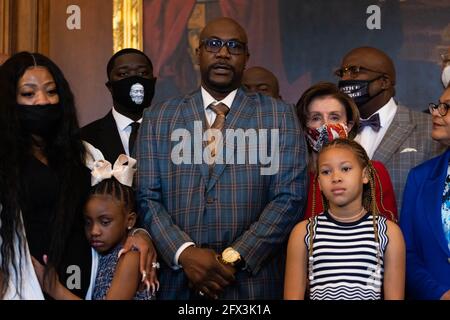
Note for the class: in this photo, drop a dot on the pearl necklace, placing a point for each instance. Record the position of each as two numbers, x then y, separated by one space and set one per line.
348 219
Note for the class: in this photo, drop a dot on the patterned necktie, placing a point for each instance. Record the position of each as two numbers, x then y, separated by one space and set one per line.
134 131
373 122
221 111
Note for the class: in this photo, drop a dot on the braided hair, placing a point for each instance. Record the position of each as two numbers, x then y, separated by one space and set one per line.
118 191
368 199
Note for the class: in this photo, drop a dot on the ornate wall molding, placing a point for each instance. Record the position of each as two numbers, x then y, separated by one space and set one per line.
127 24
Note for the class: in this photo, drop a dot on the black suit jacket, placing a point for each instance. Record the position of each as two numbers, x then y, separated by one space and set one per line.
103 135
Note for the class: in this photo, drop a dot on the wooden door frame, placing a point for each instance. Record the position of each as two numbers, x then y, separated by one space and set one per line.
24 25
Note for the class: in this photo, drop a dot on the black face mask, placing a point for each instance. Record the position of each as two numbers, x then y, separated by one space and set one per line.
358 90
134 94
41 120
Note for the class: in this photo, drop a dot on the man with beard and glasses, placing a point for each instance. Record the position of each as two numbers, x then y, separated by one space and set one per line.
132 86
221 226
390 133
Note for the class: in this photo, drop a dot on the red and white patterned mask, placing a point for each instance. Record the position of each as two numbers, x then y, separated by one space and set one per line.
326 133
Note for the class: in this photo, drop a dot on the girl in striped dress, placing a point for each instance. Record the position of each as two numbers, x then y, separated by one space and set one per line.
349 252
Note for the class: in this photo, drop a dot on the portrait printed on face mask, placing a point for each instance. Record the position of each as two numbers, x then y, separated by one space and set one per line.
137 93
134 94
326 133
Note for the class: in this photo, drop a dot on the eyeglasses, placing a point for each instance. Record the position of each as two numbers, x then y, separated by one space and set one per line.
442 108
353 71
214 45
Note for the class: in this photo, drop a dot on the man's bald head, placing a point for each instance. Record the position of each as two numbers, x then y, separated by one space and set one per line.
214 26
370 58
374 73
259 79
222 55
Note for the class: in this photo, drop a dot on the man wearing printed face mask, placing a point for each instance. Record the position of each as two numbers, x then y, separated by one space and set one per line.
132 86
391 133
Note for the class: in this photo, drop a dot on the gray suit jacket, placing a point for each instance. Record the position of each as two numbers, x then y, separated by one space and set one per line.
406 144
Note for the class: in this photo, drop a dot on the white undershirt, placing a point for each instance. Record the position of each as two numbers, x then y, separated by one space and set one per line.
369 138
124 128
208 100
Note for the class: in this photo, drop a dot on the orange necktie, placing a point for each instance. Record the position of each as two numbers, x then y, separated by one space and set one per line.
221 111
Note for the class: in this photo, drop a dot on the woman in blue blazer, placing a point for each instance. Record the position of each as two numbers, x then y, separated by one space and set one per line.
425 216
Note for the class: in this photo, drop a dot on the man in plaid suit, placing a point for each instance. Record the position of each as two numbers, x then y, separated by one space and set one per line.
390 133
220 229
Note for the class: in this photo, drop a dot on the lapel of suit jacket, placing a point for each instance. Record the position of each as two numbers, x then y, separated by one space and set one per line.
397 132
241 112
112 142
433 189
194 112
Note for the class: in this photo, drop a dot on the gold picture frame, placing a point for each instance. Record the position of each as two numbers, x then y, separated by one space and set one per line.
127 24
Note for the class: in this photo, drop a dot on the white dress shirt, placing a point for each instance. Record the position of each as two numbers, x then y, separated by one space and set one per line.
123 126
208 100
369 138
210 117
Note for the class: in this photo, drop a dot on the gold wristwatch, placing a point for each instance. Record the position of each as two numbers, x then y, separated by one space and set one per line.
230 256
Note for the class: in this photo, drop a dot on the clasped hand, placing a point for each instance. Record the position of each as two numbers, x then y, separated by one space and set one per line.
206 274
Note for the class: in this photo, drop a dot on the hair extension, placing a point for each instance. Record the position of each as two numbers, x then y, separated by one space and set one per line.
311 226
313 206
117 191
375 214
383 208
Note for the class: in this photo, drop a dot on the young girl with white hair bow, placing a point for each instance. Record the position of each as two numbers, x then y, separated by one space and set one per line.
109 215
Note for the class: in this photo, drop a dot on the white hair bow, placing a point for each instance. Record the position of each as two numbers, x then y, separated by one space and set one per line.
123 170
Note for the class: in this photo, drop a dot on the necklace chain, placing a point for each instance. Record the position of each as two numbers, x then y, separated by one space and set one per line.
346 219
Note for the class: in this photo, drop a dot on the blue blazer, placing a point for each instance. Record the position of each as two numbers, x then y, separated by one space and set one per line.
427 252
234 206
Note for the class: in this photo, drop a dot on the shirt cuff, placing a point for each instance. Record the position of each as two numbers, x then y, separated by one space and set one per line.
180 250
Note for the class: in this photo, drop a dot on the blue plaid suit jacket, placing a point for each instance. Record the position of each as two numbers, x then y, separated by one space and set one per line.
234 206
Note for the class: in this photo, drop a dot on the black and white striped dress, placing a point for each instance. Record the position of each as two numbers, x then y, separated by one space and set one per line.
344 264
